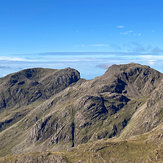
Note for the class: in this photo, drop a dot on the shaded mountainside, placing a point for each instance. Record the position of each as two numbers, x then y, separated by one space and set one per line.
52 110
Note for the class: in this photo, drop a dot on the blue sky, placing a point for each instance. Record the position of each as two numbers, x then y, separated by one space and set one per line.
88 35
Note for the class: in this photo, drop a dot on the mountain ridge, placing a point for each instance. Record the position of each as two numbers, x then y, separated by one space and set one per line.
72 111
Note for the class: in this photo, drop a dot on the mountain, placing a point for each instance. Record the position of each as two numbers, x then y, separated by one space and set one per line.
31 86
44 111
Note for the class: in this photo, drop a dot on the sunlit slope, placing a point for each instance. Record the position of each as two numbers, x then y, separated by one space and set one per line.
147 147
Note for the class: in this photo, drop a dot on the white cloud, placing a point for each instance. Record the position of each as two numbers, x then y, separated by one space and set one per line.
99 45
126 33
70 60
152 57
139 34
80 45
151 62
120 26
11 59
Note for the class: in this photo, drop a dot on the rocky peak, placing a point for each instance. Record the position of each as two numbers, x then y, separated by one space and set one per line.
31 85
134 79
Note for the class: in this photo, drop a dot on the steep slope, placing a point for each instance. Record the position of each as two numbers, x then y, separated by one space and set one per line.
30 86
82 112
147 147
148 116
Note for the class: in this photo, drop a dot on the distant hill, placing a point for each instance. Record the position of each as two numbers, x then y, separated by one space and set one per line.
44 111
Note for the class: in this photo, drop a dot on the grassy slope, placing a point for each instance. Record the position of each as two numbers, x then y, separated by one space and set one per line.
20 131
142 148
134 120
15 139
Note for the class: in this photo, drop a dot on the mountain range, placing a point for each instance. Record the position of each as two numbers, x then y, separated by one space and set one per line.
49 115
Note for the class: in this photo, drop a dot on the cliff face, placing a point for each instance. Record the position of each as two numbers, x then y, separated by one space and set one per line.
45 109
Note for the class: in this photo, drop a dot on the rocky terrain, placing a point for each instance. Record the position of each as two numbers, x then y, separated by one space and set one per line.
51 115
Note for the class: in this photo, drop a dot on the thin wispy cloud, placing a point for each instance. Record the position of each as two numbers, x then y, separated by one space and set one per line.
152 62
80 45
98 62
156 50
120 26
126 33
99 45
152 59
3 58
145 49
136 49
116 47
